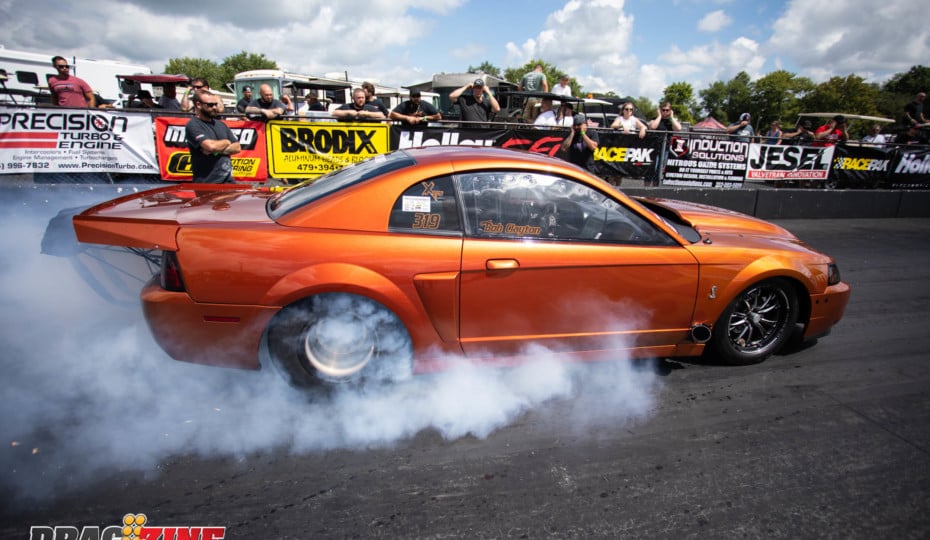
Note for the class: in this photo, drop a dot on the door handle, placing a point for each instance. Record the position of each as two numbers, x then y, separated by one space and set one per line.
502 264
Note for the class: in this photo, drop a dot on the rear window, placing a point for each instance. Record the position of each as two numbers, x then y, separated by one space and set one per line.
350 175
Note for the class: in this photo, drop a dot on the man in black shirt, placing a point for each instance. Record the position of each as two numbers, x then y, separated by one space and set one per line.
210 142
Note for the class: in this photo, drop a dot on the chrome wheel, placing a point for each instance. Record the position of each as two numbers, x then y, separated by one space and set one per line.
757 323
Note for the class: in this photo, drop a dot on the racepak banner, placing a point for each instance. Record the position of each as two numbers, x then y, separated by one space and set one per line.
76 140
174 158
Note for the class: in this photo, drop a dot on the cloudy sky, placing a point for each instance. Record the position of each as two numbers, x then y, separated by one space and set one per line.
634 47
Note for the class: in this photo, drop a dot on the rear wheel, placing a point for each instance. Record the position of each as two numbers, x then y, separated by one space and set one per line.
756 324
337 338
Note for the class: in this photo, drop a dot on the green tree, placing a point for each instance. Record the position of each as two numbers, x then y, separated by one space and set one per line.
486 67
850 94
239 62
196 67
681 96
901 89
739 97
777 95
714 100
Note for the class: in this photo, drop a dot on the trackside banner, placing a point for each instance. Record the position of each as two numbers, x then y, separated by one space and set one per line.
705 160
311 149
174 159
778 162
860 166
910 168
76 140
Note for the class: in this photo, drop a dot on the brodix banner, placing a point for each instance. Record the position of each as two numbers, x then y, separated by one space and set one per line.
174 159
76 140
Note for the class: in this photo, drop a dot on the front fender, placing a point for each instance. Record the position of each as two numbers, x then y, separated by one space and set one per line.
720 284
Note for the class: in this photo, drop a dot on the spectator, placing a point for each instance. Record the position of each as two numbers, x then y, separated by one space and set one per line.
566 115
580 143
913 135
266 107
168 99
373 99
774 134
475 108
68 90
533 81
197 84
801 136
875 136
359 109
628 123
246 99
665 120
415 111
546 115
210 141
832 132
742 128
311 104
564 88
914 111
144 100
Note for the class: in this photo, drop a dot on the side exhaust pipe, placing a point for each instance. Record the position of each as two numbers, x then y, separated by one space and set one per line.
700 333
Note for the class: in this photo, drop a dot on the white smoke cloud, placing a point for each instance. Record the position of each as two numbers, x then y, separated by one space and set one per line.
85 391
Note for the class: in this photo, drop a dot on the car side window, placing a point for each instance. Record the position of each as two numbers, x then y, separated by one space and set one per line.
530 205
427 206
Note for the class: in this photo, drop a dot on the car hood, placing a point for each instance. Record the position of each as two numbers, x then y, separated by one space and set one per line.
150 219
711 219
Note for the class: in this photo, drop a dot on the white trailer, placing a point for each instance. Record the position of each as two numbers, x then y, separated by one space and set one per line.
25 75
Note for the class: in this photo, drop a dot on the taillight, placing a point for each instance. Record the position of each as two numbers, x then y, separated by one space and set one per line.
171 272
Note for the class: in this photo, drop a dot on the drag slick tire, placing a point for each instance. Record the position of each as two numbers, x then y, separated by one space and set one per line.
339 338
758 322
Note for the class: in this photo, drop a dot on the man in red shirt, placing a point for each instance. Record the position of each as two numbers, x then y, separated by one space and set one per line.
832 132
67 90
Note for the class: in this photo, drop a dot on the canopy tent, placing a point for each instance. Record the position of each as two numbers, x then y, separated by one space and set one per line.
709 123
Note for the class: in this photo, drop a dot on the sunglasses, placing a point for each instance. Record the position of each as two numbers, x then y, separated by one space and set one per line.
628 108
666 110
205 104
62 66
197 86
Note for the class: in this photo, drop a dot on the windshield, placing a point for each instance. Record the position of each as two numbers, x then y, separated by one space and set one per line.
338 180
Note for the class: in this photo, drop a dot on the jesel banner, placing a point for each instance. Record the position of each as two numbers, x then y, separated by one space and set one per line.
311 149
174 159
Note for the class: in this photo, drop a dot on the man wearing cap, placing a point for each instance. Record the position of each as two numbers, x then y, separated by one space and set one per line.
742 128
581 143
144 100
801 136
832 132
477 105
246 99
415 111
311 104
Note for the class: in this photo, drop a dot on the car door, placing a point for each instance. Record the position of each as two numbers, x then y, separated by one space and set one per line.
554 262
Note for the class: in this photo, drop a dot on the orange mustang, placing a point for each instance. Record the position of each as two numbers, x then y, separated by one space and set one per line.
394 265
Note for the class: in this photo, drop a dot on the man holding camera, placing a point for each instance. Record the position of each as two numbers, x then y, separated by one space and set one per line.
832 132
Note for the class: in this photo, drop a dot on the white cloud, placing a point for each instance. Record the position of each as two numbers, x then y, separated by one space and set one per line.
714 21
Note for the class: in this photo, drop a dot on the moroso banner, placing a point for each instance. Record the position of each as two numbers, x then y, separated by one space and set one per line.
174 159
76 140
